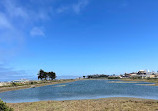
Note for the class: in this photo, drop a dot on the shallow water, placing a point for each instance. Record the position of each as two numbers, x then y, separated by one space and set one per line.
85 89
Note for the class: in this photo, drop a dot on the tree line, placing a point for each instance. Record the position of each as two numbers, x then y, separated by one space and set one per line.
46 75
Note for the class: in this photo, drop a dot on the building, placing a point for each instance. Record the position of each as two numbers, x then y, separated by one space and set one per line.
141 74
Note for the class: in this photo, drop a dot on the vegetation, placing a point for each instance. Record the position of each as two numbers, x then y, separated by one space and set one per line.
4 107
107 104
113 77
46 75
153 80
135 77
97 76
30 84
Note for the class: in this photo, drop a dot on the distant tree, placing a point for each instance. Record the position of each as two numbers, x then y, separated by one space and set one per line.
46 75
113 77
4 107
52 75
41 74
84 76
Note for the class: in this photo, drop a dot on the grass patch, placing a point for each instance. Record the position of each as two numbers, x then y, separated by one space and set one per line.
109 104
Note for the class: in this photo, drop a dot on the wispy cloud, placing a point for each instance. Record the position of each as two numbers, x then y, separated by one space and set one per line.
37 31
4 23
18 19
13 9
14 20
62 9
78 6
75 7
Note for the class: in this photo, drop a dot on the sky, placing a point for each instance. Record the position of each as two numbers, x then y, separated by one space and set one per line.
77 37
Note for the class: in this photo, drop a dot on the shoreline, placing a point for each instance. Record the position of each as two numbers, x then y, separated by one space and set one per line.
107 104
41 83
155 81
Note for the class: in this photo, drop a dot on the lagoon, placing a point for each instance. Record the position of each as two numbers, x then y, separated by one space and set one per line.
83 89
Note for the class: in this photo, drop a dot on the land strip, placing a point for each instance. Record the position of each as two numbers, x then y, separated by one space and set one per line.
133 80
143 80
107 104
34 84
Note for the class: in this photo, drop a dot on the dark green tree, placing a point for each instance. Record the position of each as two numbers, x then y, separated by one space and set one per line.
46 75
41 74
52 75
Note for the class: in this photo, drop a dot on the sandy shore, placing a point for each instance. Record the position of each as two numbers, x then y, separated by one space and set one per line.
4 89
107 104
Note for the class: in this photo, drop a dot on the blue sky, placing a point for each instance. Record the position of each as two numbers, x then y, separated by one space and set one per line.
77 37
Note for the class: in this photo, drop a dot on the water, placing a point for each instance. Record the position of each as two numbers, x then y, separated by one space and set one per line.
86 89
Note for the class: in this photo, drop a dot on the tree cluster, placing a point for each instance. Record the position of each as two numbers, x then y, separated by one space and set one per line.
46 75
97 76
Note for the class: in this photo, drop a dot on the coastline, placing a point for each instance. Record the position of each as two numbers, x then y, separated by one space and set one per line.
103 104
41 83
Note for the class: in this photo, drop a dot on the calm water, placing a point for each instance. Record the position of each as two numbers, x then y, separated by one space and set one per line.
86 89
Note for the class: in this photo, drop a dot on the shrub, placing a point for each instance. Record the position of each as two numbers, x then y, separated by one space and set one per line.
4 107
33 82
113 77
14 84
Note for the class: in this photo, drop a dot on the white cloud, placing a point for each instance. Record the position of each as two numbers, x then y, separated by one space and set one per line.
81 4
37 31
17 19
62 9
4 23
15 10
76 7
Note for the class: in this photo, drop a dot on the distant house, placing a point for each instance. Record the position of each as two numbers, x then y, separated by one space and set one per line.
1 84
153 76
126 75
133 74
141 72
